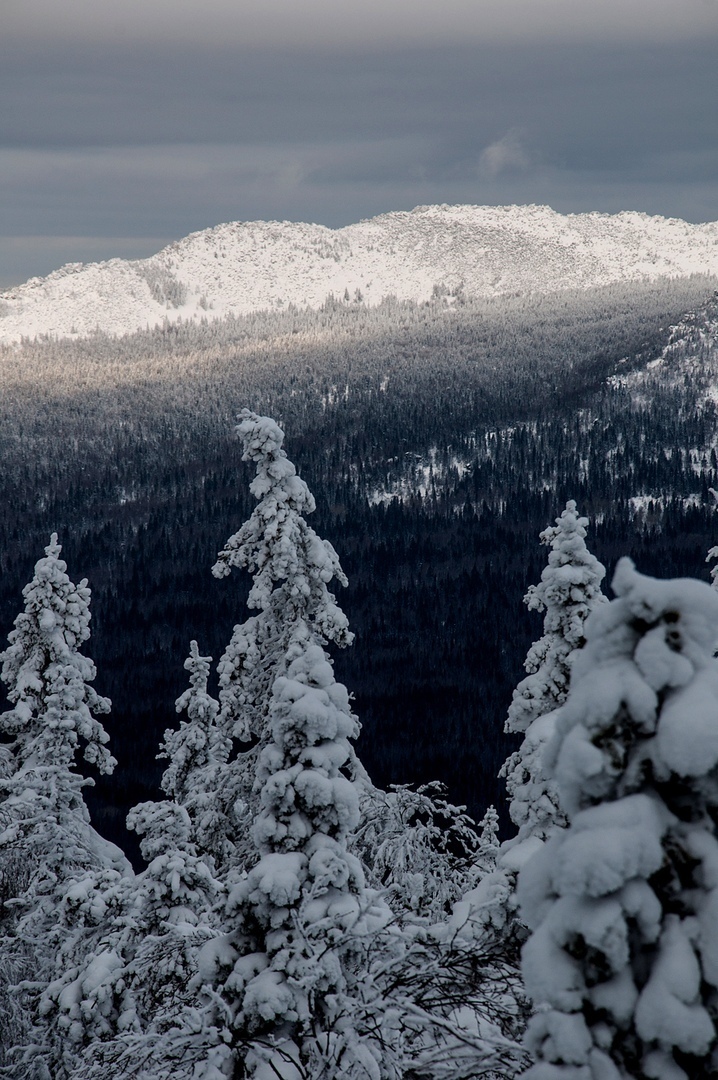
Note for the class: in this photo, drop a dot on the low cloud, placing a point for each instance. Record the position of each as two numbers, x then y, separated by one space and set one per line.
506 155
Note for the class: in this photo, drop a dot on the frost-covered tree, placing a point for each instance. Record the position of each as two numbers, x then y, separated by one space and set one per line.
292 568
419 848
116 1005
112 1007
46 838
286 975
198 753
622 962
54 707
285 968
570 588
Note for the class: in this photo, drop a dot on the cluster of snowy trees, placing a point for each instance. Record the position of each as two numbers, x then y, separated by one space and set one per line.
292 920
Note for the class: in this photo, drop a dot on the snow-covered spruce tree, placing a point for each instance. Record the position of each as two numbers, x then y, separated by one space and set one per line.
622 962
570 588
286 978
116 1008
198 753
292 568
46 839
113 1007
277 979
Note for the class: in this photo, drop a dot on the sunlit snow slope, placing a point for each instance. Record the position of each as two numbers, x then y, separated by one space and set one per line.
248 266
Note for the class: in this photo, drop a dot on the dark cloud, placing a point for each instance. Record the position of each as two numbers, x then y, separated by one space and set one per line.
571 96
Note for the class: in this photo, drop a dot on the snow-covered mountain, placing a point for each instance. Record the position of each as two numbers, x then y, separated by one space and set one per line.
242 267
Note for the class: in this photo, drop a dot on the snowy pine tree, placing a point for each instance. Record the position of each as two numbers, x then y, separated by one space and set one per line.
292 568
278 980
113 1008
198 753
301 914
46 840
570 588
54 708
622 962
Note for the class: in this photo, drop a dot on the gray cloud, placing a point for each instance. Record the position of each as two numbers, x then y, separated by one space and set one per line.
308 23
588 101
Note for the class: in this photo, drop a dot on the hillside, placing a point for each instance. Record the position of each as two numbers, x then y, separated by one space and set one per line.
242 267
439 440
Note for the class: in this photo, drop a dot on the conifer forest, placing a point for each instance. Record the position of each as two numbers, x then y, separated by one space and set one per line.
359 708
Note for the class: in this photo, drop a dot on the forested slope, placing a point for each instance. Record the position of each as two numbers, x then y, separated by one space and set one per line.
439 440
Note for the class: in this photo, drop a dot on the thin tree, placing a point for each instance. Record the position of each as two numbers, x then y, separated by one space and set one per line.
570 588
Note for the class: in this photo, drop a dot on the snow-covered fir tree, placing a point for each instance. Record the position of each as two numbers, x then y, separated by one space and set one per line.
112 1012
292 568
198 753
622 962
287 973
112 1008
570 588
277 981
46 839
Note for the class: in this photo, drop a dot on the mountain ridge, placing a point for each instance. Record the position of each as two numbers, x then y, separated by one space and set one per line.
241 267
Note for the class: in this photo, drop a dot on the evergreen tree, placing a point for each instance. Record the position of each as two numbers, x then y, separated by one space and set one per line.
112 1008
286 968
486 919
570 588
291 568
198 753
622 962
47 842
117 1006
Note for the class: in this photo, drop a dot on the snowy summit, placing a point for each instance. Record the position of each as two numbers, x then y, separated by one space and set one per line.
241 267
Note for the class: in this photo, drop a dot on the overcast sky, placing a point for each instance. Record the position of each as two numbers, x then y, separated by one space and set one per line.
124 126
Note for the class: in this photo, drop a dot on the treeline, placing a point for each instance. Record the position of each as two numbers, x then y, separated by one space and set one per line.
439 440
